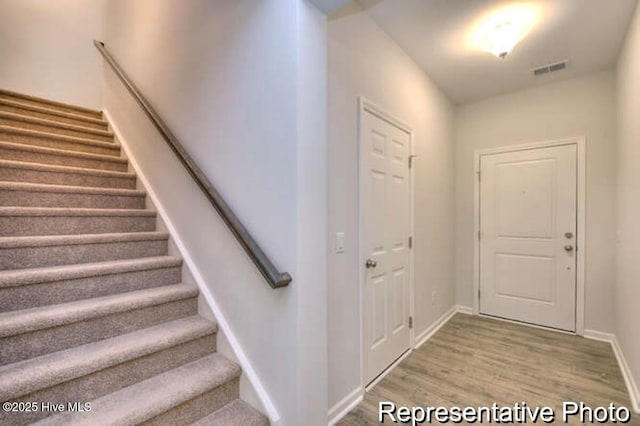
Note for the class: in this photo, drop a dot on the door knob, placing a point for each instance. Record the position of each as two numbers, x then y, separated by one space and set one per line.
568 247
371 263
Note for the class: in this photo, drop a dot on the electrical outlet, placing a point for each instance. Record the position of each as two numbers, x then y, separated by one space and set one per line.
339 242
434 296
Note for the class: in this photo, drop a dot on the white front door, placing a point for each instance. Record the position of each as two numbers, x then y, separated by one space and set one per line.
528 236
385 226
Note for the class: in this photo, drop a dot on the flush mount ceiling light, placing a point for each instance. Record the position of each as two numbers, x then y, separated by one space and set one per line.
500 30
502 38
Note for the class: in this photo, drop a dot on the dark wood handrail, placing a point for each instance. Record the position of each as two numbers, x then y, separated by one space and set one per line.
275 278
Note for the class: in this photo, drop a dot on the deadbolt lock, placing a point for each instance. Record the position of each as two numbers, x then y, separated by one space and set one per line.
568 235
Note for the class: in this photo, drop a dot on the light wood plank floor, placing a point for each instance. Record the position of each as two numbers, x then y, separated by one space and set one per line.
476 361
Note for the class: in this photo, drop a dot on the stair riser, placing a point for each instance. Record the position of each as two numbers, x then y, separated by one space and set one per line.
5 121
54 107
51 293
198 407
60 160
53 117
19 198
38 257
70 179
95 385
25 226
59 144
32 344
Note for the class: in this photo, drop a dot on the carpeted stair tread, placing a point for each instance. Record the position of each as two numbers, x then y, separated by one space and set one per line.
4 93
31 276
54 124
69 211
57 240
48 135
51 111
152 397
41 221
58 141
61 152
236 413
67 173
19 120
39 187
51 114
33 195
27 320
22 252
27 376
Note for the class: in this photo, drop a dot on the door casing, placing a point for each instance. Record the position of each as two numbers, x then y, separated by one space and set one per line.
364 105
580 143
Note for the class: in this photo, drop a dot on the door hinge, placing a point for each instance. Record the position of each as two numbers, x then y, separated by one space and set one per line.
411 157
479 294
479 235
478 172
410 322
410 242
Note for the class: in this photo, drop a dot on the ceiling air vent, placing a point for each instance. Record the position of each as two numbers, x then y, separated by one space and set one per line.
546 69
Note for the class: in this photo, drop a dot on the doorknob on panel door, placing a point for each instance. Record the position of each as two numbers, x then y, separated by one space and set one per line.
568 247
371 263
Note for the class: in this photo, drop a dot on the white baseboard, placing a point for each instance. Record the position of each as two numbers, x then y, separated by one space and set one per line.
347 404
599 335
466 310
422 338
632 386
223 325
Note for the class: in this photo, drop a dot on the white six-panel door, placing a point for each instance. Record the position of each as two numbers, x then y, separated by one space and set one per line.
528 236
385 226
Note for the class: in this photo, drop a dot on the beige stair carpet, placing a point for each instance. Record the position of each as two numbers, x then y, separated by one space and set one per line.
96 325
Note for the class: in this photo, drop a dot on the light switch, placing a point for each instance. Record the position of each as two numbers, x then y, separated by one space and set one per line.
339 242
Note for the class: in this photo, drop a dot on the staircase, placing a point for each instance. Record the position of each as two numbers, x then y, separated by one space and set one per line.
92 308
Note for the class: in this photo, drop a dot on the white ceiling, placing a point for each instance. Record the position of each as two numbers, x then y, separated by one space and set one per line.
589 33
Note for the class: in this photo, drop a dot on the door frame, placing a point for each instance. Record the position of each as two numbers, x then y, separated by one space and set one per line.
365 105
581 145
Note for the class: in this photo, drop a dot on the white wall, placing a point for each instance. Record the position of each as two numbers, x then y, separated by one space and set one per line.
47 49
312 215
364 61
628 285
232 81
582 106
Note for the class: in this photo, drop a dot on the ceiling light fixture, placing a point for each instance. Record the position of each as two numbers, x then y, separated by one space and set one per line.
501 39
500 30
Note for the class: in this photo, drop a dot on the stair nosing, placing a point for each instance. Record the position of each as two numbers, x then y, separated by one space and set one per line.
17 146
14 323
55 168
54 124
70 189
58 137
44 110
45 101
49 274
147 399
80 239
97 356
